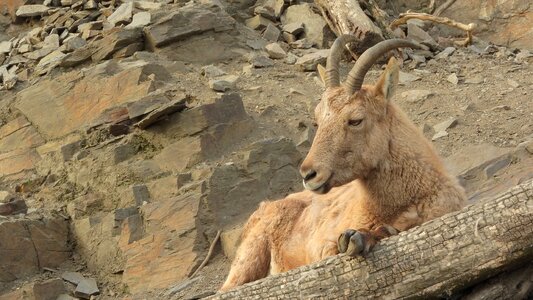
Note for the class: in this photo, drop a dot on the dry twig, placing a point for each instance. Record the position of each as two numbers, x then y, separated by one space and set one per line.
441 20
211 248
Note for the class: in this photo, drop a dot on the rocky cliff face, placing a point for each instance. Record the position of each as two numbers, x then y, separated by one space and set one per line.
132 132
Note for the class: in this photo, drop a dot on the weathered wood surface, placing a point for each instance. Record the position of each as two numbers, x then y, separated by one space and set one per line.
347 17
435 259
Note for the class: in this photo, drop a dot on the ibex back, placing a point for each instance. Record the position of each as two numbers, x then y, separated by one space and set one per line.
369 174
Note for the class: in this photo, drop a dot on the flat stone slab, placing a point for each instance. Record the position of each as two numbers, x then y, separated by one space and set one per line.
86 288
32 10
78 100
72 277
185 22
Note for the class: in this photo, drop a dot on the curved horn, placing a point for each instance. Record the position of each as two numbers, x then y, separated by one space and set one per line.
332 64
369 57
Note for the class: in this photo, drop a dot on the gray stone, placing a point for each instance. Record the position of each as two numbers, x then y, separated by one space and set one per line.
122 14
439 135
14 207
5 47
65 297
77 57
271 33
291 58
418 58
265 12
258 22
123 152
140 194
452 78
415 96
95 25
445 53
474 158
5 196
497 165
38 54
223 83
25 48
260 61
212 71
294 28
86 288
406 78
140 19
148 104
289 38
175 105
182 179
187 21
90 4
306 137
315 28
112 43
148 5
309 61
28 245
275 51
418 34
74 43
51 41
444 125
49 62
274 8
70 149
523 55
49 289
32 10
72 277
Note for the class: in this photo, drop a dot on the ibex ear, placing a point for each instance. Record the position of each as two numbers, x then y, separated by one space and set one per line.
321 73
388 81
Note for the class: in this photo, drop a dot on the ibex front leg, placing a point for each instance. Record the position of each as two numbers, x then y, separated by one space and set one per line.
360 242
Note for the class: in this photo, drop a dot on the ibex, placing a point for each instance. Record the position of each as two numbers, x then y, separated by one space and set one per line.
370 173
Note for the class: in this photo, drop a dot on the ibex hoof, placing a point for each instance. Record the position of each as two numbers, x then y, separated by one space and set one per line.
352 242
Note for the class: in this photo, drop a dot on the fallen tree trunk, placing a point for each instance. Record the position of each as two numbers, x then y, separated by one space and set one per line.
438 258
347 17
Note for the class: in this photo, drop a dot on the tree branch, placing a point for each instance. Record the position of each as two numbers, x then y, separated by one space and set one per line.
441 20
437 258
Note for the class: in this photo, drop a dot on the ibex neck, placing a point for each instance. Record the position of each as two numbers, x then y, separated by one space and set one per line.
410 174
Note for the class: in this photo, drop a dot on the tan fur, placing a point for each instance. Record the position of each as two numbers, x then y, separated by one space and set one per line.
381 172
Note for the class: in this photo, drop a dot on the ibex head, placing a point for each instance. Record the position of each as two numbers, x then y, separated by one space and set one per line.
353 124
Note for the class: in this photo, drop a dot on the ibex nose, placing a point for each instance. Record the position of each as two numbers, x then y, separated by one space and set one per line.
314 178
309 175
307 171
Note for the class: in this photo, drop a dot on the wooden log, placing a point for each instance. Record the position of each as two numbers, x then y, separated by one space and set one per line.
347 17
437 259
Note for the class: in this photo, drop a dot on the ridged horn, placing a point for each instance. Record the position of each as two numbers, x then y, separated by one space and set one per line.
370 56
332 65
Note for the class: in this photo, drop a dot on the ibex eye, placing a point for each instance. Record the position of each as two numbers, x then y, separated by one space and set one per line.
355 122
